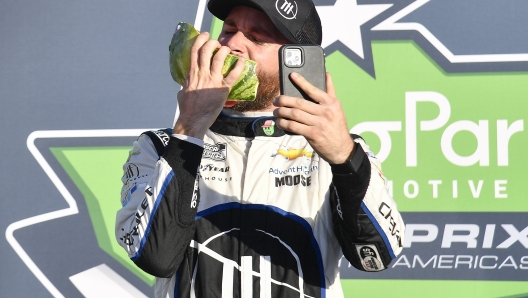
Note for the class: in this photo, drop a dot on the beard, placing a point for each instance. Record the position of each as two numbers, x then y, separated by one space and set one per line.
267 90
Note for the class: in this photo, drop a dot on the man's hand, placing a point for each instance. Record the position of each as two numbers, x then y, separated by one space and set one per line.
205 91
323 125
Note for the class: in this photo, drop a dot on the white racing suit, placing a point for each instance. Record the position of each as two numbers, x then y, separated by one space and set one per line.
254 213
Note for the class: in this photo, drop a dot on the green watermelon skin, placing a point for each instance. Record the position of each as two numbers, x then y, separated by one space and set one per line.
244 89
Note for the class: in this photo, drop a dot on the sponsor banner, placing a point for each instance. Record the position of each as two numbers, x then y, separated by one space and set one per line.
446 142
459 246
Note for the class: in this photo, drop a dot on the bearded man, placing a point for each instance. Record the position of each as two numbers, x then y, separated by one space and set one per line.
227 204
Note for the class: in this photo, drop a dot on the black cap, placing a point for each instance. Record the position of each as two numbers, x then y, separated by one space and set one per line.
297 20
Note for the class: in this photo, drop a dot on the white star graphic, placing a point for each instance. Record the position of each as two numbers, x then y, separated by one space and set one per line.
393 24
343 21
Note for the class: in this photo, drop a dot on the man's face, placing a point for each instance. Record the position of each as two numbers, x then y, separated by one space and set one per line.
251 34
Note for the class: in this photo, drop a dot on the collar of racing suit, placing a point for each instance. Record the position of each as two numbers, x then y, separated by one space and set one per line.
248 127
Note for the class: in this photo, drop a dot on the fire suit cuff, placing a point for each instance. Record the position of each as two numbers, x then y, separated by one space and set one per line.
352 178
353 164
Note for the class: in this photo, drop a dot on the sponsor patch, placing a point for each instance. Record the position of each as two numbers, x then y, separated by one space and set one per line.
269 127
213 168
369 256
131 171
386 211
163 136
293 180
216 152
293 153
304 169
214 178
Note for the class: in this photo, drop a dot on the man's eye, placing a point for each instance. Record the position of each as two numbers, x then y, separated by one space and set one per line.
255 39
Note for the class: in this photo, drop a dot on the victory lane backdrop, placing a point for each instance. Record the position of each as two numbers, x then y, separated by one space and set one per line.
439 89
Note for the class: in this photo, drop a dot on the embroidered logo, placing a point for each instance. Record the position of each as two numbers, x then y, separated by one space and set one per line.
370 257
269 127
287 9
216 152
293 153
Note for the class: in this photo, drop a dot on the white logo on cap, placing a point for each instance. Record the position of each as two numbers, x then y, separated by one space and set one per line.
288 9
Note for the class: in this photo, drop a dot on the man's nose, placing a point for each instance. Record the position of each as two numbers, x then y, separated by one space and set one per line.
236 43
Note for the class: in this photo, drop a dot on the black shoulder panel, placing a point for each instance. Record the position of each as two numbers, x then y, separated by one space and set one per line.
160 138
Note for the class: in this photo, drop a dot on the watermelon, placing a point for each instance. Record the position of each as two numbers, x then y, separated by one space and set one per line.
244 89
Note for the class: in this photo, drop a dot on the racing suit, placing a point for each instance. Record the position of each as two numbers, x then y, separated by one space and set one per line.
255 212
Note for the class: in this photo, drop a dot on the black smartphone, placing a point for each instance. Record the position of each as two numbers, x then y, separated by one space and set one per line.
306 60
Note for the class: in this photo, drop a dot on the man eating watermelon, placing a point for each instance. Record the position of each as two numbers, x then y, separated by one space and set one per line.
219 208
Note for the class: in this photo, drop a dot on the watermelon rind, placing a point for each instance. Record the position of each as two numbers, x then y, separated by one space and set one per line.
244 89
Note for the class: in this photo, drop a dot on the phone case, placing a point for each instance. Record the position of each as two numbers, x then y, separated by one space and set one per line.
312 68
